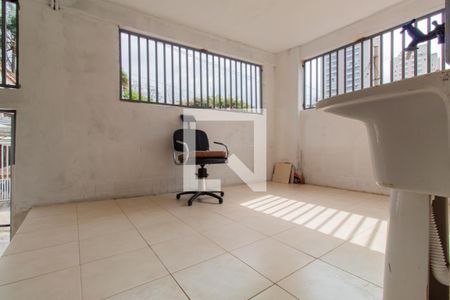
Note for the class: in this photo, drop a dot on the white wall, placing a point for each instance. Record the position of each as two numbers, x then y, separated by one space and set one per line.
75 139
331 151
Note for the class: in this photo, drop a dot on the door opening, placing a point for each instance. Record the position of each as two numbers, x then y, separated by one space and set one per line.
7 144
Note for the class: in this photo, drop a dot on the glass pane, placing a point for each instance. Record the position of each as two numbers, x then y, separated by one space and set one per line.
436 49
357 67
314 82
366 64
169 78
221 102
250 87
333 74
176 75
239 85
124 72
134 78
376 61
307 84
398 54
326 65
197 89
216 89
386 59
232 85
210 81
422 51
204 84
190 66
410 64
152 66
11 43
258 89
348 69
341 72
160 74
319 78
183 72
144 66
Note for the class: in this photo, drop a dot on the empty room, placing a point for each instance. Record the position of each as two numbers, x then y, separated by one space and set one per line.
224 149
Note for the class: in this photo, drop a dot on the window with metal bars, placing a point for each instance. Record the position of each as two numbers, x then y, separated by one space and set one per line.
372 61
161 72
9 35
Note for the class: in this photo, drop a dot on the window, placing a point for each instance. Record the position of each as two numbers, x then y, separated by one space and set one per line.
372 61
161 72
9 75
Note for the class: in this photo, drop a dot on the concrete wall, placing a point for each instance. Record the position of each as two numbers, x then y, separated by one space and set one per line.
331 150
75 139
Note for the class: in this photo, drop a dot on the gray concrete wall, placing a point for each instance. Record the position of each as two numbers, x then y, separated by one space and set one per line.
75 139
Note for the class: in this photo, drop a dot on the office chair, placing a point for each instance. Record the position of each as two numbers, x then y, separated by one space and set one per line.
198 154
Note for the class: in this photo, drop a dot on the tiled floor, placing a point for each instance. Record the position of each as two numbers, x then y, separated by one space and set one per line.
291 242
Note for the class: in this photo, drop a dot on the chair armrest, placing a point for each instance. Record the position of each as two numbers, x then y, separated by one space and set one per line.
222 144
186 151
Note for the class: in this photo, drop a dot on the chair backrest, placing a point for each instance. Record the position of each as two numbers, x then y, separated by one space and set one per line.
201 140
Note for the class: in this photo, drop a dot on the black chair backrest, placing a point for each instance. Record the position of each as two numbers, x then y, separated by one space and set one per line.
201 140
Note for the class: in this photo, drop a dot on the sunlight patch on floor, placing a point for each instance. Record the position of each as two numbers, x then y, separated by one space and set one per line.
363 230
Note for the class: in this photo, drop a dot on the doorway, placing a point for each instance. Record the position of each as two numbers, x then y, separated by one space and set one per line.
7 160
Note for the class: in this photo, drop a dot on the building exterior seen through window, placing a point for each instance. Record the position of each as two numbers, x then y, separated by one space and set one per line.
161 72
375 60
9 16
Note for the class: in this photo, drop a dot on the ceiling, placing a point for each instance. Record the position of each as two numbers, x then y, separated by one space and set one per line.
271 25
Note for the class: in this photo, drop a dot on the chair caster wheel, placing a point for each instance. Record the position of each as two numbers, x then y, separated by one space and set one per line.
220 201
190 203
178 197
222 193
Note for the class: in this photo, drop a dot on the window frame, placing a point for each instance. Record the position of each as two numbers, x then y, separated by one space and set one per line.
231 78
361 42
3 51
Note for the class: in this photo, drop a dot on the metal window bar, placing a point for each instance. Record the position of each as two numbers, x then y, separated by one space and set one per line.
309 102
229 88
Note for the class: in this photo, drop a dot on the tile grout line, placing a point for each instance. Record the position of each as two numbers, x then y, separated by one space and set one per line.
226 251
150 247
348 272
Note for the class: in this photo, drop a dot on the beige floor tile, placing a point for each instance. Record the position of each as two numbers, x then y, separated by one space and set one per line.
98 213
310 241
51 210
183 252
166 231
109 276
33 263
320 281
206 221
267 225
111 244
144 218
274 293
129 205
161 289
272 259
233 236
359 261
224 277
59 285
48 222
87 206
34 240
104 226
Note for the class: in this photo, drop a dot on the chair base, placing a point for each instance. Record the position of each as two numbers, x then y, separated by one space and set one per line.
196 194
